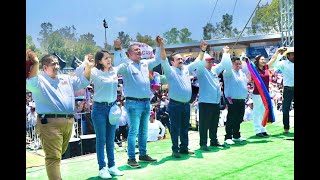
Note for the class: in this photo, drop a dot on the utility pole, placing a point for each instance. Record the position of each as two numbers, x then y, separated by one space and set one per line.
105 25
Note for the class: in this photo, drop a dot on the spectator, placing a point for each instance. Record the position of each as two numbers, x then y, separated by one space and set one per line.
156 130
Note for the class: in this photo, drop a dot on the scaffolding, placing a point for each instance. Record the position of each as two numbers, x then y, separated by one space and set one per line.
287 22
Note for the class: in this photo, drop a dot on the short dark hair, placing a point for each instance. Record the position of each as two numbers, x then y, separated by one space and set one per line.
171 56
233 59
98 57
47 59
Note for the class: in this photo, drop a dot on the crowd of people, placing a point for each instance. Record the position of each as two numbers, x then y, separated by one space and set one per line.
146 113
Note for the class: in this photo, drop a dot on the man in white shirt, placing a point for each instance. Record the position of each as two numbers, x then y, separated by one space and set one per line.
154 127
287 68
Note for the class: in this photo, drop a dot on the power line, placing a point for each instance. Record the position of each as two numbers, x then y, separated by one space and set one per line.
234 7
213 11
246 23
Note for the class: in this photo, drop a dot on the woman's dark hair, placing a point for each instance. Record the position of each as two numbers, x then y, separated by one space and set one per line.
256 60
98 57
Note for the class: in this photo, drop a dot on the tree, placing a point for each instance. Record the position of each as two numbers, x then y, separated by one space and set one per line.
32 46
267 18
184 35
68 32
145 39
171 36
124 38
226 25
207 31
45 32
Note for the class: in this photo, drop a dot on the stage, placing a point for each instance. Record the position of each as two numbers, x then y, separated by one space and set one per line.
245 160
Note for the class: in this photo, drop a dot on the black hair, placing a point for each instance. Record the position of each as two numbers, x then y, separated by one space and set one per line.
98 57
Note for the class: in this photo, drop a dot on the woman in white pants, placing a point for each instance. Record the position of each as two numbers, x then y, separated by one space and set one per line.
258 108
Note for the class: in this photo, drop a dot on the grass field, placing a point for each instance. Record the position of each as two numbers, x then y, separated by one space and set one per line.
257 158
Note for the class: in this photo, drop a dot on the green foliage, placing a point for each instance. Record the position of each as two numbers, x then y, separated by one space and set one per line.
174 34
124 38
267 18
184 35
145 39
207 31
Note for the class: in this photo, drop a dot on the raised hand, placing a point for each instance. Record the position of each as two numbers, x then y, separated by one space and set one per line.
226 49
89 60
117 44
160 41
203 45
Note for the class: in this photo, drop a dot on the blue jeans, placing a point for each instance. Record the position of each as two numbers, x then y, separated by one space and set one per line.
105 133
139 114
179 114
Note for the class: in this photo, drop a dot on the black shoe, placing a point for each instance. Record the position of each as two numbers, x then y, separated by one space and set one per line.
259 135
146 158
133 163
217 144
176 155
205 148
265 134
186 152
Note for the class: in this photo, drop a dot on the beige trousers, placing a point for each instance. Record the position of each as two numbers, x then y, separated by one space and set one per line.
54 136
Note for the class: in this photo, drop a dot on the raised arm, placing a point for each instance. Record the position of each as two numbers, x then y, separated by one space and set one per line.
119 55
274 57
203 47
89 63
160 44
32 56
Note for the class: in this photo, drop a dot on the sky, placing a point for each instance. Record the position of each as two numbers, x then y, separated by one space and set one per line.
148 17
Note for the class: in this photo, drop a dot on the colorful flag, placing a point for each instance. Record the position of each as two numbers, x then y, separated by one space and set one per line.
268 116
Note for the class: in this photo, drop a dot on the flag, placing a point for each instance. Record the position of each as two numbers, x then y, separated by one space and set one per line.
268 116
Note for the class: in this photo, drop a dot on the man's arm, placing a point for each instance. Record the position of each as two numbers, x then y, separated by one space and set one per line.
32 56
195 63
275 56
225 63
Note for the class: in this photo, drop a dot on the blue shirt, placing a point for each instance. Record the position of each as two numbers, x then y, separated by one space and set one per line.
105 85
287 69
119 57
55 96
236 83
179 80
209 84
136 80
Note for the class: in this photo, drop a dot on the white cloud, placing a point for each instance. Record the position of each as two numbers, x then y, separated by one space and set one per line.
121 19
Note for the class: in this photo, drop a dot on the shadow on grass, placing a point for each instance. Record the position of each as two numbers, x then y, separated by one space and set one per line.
257 139
99 178
284 136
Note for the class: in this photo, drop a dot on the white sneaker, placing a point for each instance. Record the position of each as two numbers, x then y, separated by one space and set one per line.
239 139
229 141
104 173
115 171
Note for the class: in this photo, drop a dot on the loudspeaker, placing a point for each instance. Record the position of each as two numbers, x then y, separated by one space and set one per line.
88 143
74 149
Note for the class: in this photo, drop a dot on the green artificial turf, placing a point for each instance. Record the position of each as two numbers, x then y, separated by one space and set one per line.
257 158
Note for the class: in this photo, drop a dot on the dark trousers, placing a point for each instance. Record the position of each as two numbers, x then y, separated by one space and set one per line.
234 118
123 130
208 120
179 114
166 123
288 94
